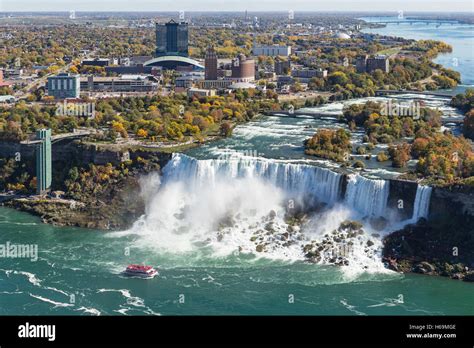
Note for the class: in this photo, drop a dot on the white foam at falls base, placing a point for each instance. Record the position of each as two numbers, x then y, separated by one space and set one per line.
179 217
367 196
359 259
422 202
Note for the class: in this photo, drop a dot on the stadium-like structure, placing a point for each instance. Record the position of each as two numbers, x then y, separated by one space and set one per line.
173 62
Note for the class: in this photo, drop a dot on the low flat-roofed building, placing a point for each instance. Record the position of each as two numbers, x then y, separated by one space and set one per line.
184 82
282 67
215 84
124 83
96 62
242 85
301 54
269 75
201 92
2 82
129 69
272 50
136 60
307 74
13 73
284 80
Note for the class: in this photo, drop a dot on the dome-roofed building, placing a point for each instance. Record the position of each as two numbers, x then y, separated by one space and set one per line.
174 62
341 35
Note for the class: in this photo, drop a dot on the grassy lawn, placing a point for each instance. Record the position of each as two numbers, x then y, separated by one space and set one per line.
390 51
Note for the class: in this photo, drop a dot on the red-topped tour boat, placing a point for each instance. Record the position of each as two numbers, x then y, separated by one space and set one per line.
140 271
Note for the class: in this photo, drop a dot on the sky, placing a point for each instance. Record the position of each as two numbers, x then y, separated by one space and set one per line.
238 5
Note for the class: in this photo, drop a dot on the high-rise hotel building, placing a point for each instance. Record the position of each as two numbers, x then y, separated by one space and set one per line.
172 39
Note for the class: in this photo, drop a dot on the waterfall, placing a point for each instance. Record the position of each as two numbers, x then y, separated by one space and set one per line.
422 202
296 180
367 196
239 205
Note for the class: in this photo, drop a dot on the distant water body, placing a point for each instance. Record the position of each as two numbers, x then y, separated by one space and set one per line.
459 36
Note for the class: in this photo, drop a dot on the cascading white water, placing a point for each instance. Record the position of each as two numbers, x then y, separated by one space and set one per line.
296 180
422 202
240 205
369 197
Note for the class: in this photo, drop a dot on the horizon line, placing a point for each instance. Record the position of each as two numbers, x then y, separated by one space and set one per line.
234 11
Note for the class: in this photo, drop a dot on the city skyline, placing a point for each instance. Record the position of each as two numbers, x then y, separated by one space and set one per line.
213 5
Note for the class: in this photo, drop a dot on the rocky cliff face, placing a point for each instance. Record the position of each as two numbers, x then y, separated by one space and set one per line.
401 198
9 149
452 202
117 206
443 245
74 151
115 209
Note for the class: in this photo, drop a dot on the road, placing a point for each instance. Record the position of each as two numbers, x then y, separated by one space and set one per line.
25 91
37 83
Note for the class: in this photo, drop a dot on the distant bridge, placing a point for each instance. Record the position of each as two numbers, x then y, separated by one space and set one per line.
396 91
420 21
60 137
